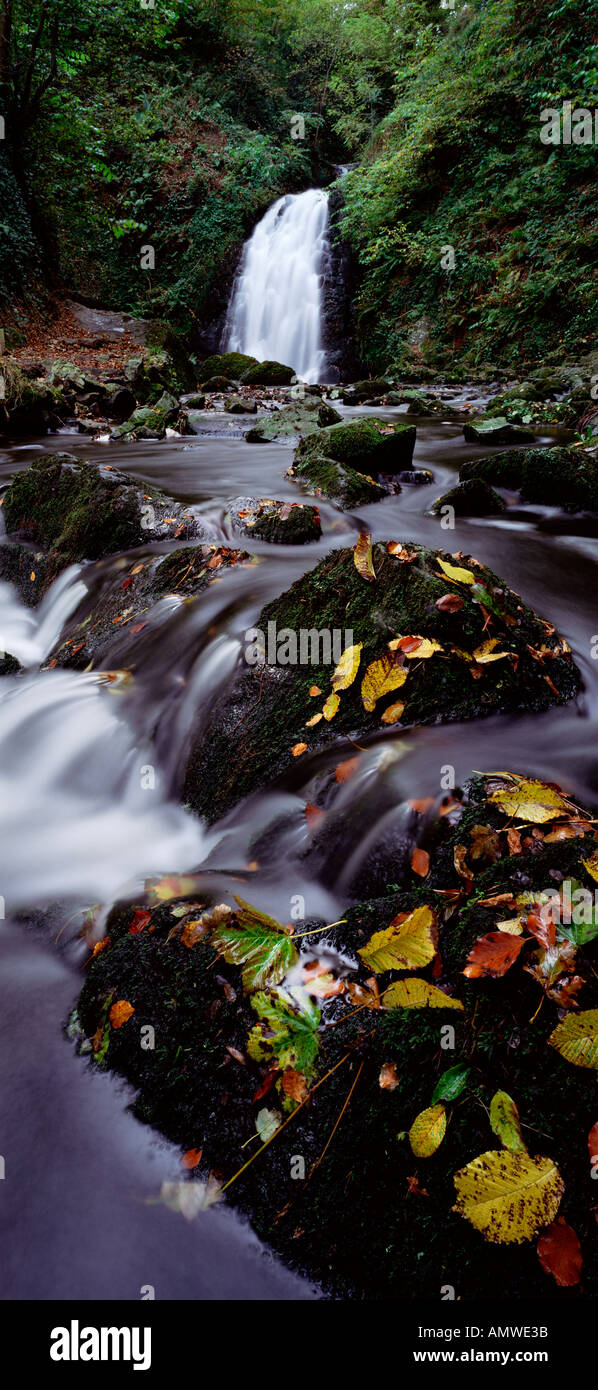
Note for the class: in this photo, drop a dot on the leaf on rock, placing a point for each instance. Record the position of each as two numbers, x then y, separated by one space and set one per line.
420 862
504 1119
294 1085
449 603
452 1083
576 1038
331 706
347 668
493 954
485 653
428 1130
393 713
460 576
362 556
298 749
265 953
120 1012
529 801
388 1079
415 648
140 920
507 1196
267 1122
191 1158
418 994
386 674
406 945
591 865
400 552
485 843
288 1030
559 1252
367 995
309 724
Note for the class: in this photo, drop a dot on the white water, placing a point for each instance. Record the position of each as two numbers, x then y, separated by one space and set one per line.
275 313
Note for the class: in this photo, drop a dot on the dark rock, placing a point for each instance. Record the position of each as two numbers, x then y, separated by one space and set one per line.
370 446
495 430
240 405
345 486
121 405
471 498
282 523
417 477
268 374
293 421
559 477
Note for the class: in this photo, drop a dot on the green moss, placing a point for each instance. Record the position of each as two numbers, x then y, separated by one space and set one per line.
268 374
345 486
561 477
250 741
293 421
369 446
231 365
474 497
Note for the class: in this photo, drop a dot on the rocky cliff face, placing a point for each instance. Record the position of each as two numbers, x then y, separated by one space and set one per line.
340 284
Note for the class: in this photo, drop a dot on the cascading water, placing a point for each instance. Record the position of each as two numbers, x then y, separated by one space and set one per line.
275 313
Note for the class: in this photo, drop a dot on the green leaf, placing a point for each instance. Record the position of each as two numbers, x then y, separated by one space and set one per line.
504 1118
451 1083
265 954
287 1032
586 930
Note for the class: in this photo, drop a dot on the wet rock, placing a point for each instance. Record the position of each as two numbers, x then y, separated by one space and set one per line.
149 422
121 405
240 405
218 383
495 430
417 477
283 523
204 1078
369 446
82 511
250 740
560 477
345 486
28 407
268 374
474 497
230 365
361 391
195 402
31 571
158 369
105 629
293 421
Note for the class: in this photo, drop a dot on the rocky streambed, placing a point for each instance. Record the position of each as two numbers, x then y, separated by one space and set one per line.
294 710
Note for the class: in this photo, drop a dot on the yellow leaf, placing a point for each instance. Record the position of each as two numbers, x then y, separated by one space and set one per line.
393 713
406 945
120 1012
460 576
418 994
576 1038
512 925
428 1130
504 1119
507 1196
331 706
347 668
590 864
382 676
486 652
426 647
362 556
530 801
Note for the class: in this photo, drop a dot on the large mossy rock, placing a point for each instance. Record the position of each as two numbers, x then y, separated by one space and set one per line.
293 422
159 369
554 477
151 421
474 497
266 714
369 1215
369 446
281 523
268 374
83 511
118 607
495 430
345 486
28 406
231 365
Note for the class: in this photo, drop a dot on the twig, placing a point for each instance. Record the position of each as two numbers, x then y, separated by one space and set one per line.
333 1131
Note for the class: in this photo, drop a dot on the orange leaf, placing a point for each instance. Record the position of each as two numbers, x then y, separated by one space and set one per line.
493 954
313 814
449 603
140 920
559 1252
388 1078
346 770
294 1084
298 749
191 1158
420 862
120 1012
314 690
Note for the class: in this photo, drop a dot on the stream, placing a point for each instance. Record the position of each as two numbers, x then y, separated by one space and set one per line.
77 829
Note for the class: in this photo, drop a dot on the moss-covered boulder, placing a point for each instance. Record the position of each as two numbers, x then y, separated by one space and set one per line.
234 1050
282 523
293 421
476 659
159 369
369 446
345 486
83 511
495 430
555 477
106 626
240 405
28 406
217 384
360 391
474 497
151 421
231 365
268 374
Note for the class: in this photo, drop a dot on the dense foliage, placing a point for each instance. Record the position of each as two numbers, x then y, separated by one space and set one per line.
173 126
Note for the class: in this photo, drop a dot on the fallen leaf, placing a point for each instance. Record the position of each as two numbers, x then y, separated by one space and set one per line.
514 841
452 1083
362 556
486 652
529 801
460 862
298 749
367 995
140 920
267 1122
393 713
346 770
381 677
309 724
400 552
415 1188
406 945
314 690
388 1079
420 862
313 814
507 1196
347 668
559 1252
504 1119
591 865
418 994
331 706
428 1130
485 843
576 1038
294 1084
449 603
191 1158
120 1012
493 954
459 575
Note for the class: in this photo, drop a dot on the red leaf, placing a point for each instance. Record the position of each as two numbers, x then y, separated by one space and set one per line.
449 603
312 814
267 1083
560 1254
140 921
420 862
493 954
191 1158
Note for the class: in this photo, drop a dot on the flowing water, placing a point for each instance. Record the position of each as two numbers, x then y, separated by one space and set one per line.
77 829
275 309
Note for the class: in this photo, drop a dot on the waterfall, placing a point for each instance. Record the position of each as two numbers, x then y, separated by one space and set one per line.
275 311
